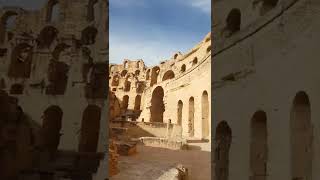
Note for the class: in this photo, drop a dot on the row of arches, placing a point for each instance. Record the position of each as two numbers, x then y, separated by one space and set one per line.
138 64
301 143
53 10
158 108
137 102
53 13
89 133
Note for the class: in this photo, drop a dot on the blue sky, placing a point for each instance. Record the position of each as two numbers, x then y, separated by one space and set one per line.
151 30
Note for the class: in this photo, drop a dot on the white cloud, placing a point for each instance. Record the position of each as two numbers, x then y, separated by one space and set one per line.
203 5
151 51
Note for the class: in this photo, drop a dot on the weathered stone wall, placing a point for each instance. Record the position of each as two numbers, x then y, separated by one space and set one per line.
147 129
59 66
177 89
265 82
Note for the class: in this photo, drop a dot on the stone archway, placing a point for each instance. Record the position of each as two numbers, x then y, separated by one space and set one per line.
157 105
205 114
179 112
259 146
301 138
5 22
137 103
51 126
125 102
191 117
154 75
223 140
90 129
91 10
168 75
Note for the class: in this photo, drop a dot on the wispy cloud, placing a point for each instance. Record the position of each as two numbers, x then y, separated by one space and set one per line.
126 3
151 50
203 5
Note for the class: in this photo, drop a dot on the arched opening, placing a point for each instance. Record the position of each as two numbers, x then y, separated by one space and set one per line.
91 10
194 61
259 146
138 64
148 74
267 5
221 153
140 87
137 72
137 103
46 37
97 88
127 85
183 68
168 75
21 60
233 22
154 75
191 117
51 126
57 77
53 11
208 49
301 137
126 64
205 114
90 128
157 105
7 23
16 89
125 102
88 35
179 112
176 56
115 80
124 73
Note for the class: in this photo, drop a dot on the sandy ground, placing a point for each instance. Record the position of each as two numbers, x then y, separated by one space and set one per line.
150 163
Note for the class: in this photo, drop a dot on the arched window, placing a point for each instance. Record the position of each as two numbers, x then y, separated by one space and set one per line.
157 105
91 10
53 11
176 56
168 75
47 36
115 81
154 75
124 73
137 72
267 5
183 68
194 61
88 35
7 22
125 64
233 22
148 74
125 102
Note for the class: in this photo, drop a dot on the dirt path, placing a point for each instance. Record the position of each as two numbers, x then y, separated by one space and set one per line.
151 162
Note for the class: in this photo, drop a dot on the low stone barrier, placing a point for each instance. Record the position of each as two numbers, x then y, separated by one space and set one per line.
164 143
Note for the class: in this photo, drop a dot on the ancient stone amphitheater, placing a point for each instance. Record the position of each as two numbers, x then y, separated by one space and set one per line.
166 105
53 69
265 89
